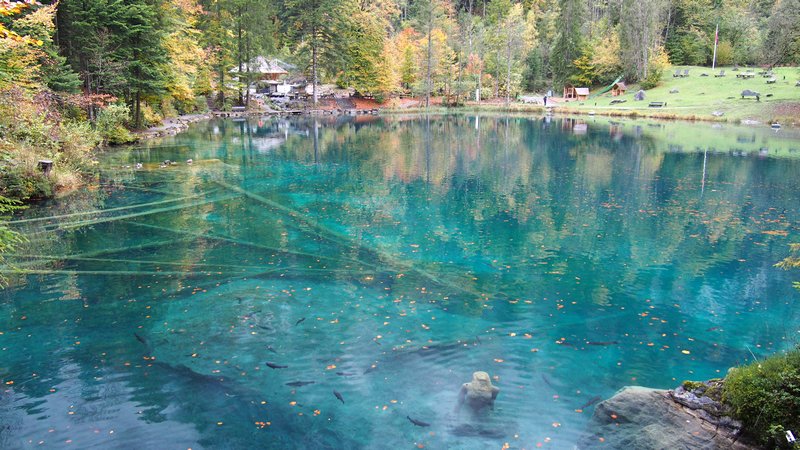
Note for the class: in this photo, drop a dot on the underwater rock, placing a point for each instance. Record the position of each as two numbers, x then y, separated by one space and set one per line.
644 418
478 393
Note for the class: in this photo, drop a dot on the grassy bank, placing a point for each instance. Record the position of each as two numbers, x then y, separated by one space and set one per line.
693 98
36 127
698 97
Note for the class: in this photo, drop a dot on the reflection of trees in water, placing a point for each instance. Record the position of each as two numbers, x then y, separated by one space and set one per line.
492 179
498 179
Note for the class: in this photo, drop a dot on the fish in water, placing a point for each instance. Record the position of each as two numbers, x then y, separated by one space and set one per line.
602 342
276 366
300 383
269 347
418 423
547 381
299 321
594 400
339 396
713 329
139 338
345 374
371 368
467 430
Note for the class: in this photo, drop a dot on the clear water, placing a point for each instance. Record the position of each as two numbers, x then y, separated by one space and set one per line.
388 259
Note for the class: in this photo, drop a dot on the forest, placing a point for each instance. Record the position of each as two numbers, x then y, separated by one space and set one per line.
78 73
167 56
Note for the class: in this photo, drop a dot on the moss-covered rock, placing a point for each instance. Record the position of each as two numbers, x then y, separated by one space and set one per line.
765 396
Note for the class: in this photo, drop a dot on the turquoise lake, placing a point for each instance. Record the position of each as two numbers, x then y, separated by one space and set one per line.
387 259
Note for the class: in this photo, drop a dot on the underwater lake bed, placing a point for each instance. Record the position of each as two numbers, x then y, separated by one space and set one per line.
332 282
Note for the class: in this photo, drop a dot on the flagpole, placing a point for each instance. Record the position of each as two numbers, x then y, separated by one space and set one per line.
716 40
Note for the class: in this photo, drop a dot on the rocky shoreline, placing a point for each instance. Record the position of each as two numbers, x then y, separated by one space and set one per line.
688 417
171 126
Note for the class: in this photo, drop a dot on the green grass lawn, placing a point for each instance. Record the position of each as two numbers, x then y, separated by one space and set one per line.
700 96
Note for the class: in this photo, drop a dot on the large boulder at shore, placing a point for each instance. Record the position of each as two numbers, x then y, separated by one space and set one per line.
642 418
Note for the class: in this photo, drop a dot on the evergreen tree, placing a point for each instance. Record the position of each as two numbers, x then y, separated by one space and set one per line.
568 44
142 48
316 26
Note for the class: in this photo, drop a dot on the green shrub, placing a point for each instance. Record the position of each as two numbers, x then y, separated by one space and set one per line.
765 396
652 80
18 181
151 116
168 107
200 104
111 124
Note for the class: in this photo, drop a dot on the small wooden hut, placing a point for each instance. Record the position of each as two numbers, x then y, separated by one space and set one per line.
618 89
569 92
575 93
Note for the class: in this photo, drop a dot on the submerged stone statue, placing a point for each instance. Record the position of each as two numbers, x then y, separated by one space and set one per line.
478 393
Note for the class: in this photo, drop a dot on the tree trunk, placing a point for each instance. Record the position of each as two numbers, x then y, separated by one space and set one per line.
314 65
138 110
221 96
239 54
428 86
508 68
248 58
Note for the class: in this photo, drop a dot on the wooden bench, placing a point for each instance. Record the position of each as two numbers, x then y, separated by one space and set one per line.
657 104
614 102
745 75
238 109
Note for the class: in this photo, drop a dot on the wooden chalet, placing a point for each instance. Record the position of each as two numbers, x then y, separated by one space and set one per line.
618 89
575 93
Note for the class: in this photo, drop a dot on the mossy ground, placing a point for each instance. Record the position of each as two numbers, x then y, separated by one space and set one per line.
765 396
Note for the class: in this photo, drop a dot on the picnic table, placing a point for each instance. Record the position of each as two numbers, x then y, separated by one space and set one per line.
745 75
657 104
749 93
